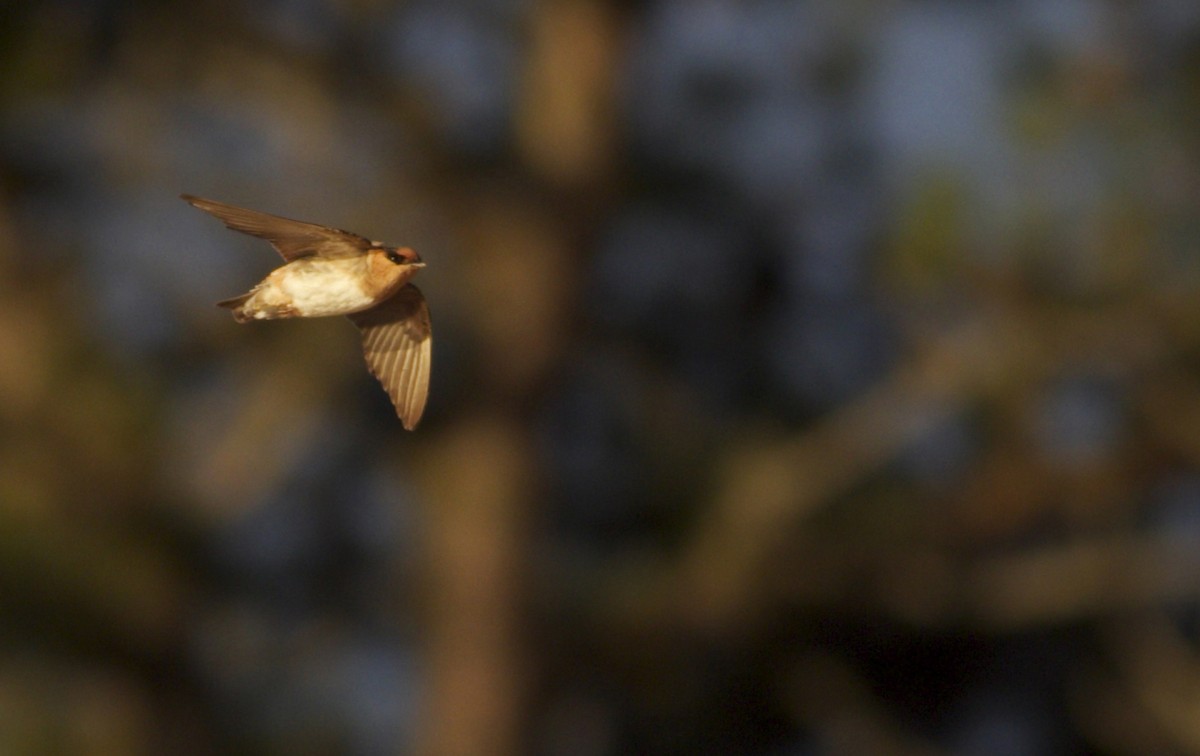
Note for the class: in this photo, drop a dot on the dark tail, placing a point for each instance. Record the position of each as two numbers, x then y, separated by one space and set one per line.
235 304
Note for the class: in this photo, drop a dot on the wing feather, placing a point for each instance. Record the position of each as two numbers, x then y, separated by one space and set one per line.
291 238
397 344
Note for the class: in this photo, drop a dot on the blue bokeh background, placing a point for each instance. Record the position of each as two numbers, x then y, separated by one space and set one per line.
809 377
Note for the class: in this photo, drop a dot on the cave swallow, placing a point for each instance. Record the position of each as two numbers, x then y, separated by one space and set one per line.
332 272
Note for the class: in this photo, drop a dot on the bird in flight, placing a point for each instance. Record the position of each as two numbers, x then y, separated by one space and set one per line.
328 271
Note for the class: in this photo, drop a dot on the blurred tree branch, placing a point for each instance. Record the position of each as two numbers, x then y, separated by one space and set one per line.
752 536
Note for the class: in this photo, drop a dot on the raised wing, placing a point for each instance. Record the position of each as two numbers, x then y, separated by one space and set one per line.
397 344
291 238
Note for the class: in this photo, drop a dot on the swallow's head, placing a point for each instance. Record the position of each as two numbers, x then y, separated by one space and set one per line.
390 267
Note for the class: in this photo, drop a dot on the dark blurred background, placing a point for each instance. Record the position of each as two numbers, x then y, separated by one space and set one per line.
809 378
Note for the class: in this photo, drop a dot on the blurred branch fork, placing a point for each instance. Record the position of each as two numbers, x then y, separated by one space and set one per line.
751 554
750 549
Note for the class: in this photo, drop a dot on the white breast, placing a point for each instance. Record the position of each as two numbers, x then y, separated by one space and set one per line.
332 287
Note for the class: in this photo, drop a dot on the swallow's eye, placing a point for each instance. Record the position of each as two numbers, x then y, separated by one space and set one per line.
395 257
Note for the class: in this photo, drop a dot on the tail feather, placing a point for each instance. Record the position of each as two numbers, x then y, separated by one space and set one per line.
235 304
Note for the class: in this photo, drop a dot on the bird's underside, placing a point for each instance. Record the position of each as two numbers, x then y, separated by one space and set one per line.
327 272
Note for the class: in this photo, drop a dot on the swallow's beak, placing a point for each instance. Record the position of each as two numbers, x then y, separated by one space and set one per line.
417 264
